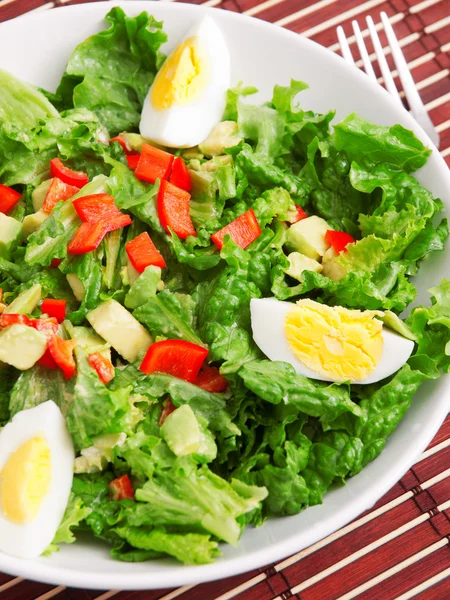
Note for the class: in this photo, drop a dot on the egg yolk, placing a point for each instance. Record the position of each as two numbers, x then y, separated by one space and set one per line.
335 342
182 77
25 480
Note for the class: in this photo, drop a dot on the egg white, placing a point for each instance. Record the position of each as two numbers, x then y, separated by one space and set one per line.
29 540
268 317
188 125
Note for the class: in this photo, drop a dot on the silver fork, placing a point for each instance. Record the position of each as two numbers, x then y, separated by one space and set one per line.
416 105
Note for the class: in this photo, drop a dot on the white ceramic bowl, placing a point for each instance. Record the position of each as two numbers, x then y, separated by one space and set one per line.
36 47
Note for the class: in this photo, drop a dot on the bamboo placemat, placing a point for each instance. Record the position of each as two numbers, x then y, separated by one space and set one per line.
400 549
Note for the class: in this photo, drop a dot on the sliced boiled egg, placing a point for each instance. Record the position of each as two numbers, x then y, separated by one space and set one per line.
36 470
188 95
328 343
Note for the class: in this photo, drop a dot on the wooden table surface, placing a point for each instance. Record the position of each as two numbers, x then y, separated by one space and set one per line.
400 549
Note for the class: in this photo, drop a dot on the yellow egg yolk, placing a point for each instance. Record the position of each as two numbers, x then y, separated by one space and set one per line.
25 480
182 77
334 342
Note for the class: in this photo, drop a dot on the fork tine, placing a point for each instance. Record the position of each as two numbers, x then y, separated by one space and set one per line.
363 51
388 79
345 48
408 84
412 95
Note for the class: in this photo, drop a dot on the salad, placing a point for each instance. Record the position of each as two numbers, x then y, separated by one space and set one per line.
199 319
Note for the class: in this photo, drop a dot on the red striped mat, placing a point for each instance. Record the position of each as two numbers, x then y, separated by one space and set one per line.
400 549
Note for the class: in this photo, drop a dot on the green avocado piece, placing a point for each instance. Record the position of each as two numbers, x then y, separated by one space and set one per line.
21 346
10 235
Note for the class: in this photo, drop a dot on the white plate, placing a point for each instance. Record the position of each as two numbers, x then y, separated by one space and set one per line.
36 48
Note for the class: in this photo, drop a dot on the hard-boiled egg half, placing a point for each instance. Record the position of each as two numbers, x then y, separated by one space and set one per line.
36 470
328 343
187 97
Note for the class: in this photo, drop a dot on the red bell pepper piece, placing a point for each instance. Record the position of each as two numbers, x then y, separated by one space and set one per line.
122 142
299 215
6 320
121 489
47 360
8 198
48 326
338 240
211 380
180 175
168 408
58 192
243 231
173 210
69 176
133 160
142 252
153 164
88 237
103 366
54 308
175 357
56 262
101 208
62 353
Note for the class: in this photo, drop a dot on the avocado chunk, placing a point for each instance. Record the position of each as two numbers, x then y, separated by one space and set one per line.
331 268
119 328
39 193
10 235
185 434
299 263
25 302
308 237
31 223
181 431
133 274
76 285
21 346
144 288
224 135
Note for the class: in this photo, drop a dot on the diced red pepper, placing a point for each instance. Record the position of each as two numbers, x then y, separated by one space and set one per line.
174 210
168 408
54 308
101 208
62 353
121 489
69 176
47 360
338 240
56 262
243 231
88 237
142 253
58 192
8 198
133 160
300 215
6 320
211 380
153 164
122 142
175 357
180 175
48 326
103 366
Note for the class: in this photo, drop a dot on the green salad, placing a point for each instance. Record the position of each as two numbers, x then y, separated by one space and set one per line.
127 273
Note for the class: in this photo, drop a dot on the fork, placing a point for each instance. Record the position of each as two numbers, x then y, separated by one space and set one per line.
416 105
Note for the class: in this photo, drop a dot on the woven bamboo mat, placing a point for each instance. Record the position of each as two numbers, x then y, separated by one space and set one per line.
400 549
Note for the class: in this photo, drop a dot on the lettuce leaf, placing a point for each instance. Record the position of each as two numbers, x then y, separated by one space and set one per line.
110 73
